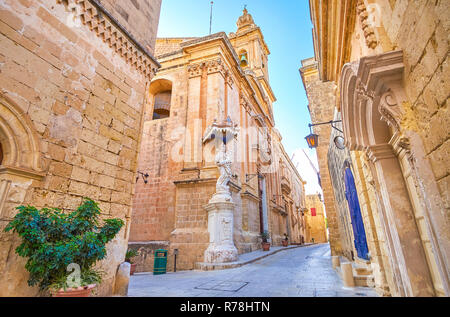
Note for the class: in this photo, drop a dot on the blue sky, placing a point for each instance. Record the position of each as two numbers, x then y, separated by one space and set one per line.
286 26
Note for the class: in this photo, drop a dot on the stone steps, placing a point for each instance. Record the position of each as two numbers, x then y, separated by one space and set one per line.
364 280
362 273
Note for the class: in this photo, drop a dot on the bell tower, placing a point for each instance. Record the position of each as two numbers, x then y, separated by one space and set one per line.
250 46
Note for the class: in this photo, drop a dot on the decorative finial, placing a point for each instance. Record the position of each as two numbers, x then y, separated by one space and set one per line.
245 19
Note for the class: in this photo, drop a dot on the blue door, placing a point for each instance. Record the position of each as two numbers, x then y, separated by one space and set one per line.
355 215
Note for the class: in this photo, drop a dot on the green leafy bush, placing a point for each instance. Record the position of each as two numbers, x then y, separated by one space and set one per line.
131 253
52 240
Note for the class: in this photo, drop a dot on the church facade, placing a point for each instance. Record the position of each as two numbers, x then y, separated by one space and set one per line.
203 84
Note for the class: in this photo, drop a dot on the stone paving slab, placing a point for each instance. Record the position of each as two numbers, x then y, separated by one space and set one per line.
296 272
245 258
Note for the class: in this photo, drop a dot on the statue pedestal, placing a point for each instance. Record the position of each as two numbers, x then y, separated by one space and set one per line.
220 226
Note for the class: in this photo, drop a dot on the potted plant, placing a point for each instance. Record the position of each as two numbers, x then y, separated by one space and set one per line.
285 241
63 248
131 253
265 240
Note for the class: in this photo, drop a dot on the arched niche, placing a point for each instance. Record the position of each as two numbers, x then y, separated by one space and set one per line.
243 58
161 91
20 143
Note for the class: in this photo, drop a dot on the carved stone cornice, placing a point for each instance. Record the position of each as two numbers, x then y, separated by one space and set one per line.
93 15
195 70
401 146
277 208
333 26
248 195
380 152
211 67
22 172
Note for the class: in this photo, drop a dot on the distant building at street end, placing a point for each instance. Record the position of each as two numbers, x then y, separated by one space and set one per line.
315 218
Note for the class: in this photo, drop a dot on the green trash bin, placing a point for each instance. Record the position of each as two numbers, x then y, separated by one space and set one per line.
160 264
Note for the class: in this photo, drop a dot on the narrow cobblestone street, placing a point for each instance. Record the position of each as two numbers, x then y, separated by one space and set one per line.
299 272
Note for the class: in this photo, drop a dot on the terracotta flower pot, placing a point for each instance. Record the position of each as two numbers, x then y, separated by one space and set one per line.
133 268
82 291
285 243
265 246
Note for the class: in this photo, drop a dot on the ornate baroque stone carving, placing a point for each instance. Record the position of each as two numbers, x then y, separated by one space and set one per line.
195 70
229 79
216 66
368 30
390 110
372 85
363 93
246 105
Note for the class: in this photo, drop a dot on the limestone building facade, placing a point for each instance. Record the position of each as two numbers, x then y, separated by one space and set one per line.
73 89
203 82
316 230
388 64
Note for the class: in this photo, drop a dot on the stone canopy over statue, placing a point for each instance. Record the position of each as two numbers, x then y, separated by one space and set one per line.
221 133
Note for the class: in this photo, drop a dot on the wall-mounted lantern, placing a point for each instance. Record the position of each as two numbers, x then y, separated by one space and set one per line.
313 139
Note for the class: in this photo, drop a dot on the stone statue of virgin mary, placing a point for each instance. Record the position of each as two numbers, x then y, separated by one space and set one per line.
223 161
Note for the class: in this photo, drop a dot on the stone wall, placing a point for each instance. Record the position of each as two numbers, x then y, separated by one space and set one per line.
321 97
145 259
191 235
425 119
425 45
154 202
139 17
82 104
424 40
